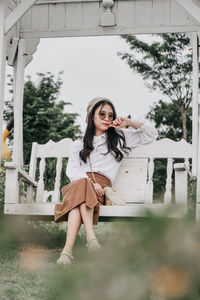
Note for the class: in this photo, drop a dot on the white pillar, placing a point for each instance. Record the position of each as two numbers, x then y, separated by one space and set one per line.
195 89
18 83
196 121
198 161
2 66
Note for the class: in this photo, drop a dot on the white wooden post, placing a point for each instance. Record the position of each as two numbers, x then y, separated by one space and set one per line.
2 66
181 183
195 88
196 121
18 104
40 188
168 193
198 175
32 171
149 194
56 194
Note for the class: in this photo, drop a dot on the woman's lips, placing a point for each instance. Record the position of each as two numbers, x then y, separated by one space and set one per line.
105 124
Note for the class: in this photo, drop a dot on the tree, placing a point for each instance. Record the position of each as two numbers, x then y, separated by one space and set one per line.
43 115
167 120
165 65
44 119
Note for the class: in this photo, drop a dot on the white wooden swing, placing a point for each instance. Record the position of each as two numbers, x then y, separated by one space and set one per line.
134 180
22 24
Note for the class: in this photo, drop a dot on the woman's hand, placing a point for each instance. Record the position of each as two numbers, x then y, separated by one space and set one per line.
98 189
123 122
120 122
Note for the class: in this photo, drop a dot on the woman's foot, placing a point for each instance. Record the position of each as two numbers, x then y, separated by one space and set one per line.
93 245
65 258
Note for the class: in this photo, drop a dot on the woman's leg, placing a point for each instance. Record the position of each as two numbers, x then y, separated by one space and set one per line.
87 217
73 226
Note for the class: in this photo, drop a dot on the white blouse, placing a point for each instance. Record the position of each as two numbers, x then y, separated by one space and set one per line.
106 164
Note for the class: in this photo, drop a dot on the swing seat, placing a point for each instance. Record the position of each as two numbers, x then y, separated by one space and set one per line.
26 196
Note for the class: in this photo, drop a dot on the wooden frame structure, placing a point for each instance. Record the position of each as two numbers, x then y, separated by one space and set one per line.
24 22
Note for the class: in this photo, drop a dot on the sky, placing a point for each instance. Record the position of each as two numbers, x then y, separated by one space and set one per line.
92 68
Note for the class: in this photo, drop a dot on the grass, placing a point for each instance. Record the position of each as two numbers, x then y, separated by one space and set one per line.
28 253
154 259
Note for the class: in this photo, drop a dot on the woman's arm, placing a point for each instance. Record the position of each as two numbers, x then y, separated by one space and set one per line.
74 168
140 133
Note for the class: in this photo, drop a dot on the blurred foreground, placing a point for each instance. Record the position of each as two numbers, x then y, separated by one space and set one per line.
156 258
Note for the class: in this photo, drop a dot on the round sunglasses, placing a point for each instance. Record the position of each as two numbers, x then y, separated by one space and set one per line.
102 116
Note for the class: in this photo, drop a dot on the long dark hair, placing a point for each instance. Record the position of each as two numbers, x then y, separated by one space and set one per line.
113 136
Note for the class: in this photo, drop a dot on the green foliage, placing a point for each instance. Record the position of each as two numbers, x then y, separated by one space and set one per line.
44 118
167 120
43 115
165 65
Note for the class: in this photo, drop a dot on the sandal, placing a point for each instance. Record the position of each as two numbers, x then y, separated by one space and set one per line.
65 258
93 245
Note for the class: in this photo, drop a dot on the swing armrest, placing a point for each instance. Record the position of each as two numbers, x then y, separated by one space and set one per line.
25 177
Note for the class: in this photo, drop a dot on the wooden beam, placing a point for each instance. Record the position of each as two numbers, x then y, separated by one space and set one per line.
17 13
2 66
18 80
13 51
195 97
198 172
191 7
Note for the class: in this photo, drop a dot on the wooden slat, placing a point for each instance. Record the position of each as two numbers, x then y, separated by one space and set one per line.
56 193
53 149
136 210
40 17
125 15
40 189
131 180
74 14
168 193
22 173
91 10
18 82
57 17
13 51
143 12
26 20
163 149
149 193
161 12
195 100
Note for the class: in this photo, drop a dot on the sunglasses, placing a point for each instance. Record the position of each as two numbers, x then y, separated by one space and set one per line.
102 116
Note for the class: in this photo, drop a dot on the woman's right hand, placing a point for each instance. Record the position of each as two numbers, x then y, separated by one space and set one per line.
98 189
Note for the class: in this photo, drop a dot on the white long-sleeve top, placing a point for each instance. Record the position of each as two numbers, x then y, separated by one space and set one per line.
106 164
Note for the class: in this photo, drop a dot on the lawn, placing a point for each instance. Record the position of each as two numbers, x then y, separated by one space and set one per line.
156 258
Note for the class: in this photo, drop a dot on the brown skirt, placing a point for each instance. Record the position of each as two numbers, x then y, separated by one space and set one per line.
79 191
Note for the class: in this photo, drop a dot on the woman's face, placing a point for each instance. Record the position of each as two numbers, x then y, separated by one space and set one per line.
103 117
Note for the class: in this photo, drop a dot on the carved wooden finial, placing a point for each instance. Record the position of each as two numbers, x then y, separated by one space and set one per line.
107 19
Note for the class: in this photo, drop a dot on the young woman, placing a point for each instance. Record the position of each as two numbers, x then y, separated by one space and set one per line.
104 143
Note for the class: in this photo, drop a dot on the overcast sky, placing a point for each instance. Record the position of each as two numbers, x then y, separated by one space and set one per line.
92 68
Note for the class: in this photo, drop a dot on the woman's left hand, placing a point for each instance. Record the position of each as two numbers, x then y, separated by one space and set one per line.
120 122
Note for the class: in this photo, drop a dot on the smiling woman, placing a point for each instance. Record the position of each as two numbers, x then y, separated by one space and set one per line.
103 147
